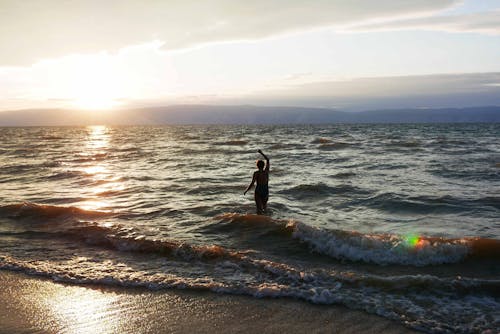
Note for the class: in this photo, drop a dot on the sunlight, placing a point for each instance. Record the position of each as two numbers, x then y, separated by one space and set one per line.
95 102
94 205
96 83
96 145
95 170
97 142
97 137
84 310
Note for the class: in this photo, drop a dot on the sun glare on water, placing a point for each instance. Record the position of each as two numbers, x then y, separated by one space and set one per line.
96 146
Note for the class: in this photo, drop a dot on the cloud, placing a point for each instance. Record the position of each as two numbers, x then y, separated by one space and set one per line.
403 85
32 30
485 23
438 90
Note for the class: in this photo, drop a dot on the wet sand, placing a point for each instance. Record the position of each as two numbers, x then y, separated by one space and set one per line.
31 304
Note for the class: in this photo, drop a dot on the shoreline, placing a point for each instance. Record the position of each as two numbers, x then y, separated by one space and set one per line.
37 304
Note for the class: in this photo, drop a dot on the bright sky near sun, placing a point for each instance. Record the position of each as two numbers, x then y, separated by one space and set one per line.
101 55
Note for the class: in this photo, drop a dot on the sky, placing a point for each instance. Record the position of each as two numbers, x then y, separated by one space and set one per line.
344 54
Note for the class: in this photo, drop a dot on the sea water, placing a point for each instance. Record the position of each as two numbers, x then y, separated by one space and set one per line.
398 220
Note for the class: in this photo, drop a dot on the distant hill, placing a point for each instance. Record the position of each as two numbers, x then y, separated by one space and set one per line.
244 114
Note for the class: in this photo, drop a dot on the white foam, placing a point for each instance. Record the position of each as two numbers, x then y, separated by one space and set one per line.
439 308
380 249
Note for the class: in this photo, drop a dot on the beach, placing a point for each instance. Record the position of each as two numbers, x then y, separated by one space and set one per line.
33 304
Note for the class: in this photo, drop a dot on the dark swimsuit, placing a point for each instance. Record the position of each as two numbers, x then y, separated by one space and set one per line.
262 190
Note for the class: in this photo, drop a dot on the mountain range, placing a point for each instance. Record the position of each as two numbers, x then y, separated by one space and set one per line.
243 114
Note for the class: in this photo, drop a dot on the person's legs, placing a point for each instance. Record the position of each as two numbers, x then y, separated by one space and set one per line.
264 203
259 204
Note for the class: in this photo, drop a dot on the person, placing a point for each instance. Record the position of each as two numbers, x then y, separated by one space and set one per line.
260 176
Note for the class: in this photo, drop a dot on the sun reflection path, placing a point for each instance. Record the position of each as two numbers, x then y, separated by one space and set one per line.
97 144
98 137
95 170
82 310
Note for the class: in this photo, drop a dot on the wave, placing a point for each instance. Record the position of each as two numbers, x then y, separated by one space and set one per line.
269 271
343 175
382 249
280 146
186 137
202 151
419 301
110 193
316 190
88 158
393 202
65 223
405 143
387 167
412 305
442 141
321 141
461 173
232 142
50 164
139 178
334 146
67 175
124 240
258 222
128 149
27 210
51 137
23 168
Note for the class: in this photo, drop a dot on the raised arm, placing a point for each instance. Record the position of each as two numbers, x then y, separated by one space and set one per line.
267 159
250 185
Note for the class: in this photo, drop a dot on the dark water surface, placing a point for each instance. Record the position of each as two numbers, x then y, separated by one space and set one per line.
397 220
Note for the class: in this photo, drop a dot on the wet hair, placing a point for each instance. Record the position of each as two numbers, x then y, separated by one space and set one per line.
260 164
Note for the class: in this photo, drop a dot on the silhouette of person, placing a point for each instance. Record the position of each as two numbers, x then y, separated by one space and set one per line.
262 189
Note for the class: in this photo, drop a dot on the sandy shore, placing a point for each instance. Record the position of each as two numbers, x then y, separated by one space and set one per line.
31 304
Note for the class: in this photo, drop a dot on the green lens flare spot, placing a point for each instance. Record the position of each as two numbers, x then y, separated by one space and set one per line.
412 240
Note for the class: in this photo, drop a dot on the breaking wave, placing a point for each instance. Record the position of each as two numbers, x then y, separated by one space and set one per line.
383 249
177 264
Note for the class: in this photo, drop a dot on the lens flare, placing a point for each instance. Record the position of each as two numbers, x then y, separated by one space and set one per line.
412 240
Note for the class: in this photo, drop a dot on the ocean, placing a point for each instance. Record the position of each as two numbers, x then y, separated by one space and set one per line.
397 220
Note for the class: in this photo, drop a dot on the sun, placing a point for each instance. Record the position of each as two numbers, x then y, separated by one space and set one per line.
95 83
96 93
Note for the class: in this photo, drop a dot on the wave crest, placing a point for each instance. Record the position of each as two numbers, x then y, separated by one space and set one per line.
235 142
27 210
383 249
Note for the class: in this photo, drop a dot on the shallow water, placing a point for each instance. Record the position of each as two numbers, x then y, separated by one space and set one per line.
397 220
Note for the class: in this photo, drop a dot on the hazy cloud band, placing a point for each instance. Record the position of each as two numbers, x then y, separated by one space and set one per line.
31 30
